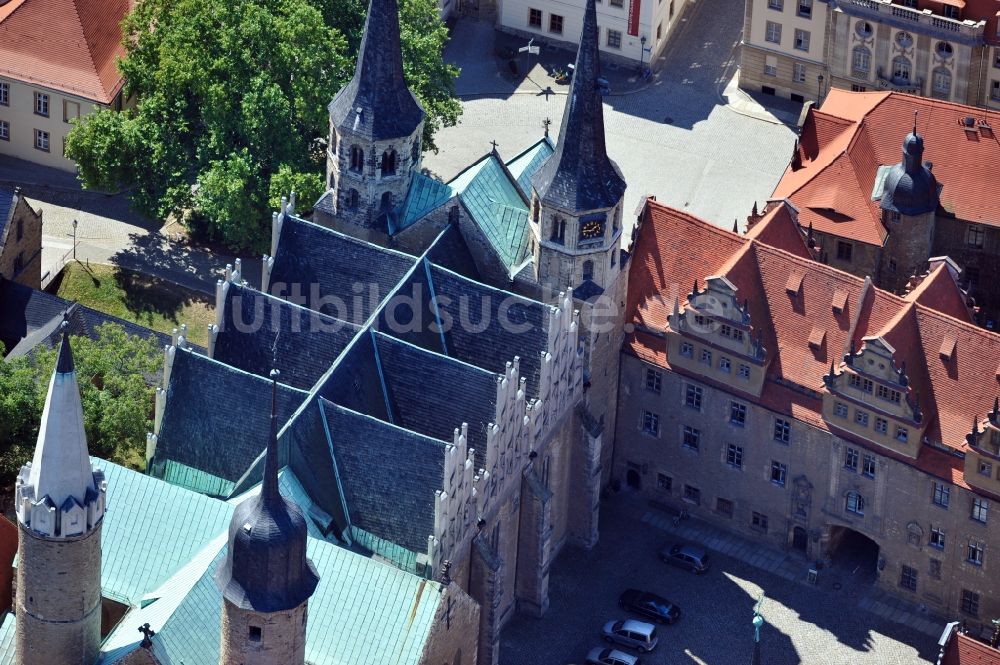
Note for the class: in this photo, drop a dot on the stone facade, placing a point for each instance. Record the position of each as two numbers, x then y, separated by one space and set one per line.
900 512
262 638
453 638
58 598
21 244
868 45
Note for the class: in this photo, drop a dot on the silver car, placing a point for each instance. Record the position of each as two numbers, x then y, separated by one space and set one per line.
631 633
600 656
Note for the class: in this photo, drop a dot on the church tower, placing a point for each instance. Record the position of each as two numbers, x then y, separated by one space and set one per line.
266 579
909 205
60 502
576 206
376 124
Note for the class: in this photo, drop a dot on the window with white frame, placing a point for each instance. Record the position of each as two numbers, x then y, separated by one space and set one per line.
881 426
734 456
782 430
687 349
974 553
854 503
937 537
799 72
901 70
654 380
801 40
706 357
861 61
41 104
777 5
840 410
4 130
851 459
650 423
691 437
860 418
980 508
941 495
41 140
985 469
772 32
737 414
805 8
778 473
868 465
744 372
4 94
725 365
902 434
692 397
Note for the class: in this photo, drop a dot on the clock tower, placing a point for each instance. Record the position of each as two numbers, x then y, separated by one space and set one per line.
576 198
576 228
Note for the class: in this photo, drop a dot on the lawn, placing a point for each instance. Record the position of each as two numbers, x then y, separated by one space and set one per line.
139 298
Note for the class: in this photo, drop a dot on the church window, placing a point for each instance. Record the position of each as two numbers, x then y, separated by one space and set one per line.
588 270
353 199
558 230
389 163
357 159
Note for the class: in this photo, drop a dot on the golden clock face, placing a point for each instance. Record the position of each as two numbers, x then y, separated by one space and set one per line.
591 229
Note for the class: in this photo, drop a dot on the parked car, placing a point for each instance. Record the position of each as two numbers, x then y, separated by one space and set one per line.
600 656
683 555
631 633
649 605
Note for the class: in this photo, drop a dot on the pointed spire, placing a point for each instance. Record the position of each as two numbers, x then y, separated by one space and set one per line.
915 123
694 289
60 474
377 104
579 176
736 226
996 410
810 240
269 486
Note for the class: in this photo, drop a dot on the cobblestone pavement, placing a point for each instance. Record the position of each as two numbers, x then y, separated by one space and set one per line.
712 158
804 623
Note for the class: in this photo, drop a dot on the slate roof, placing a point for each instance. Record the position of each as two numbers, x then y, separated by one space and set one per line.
6 208
217 417
308 342
498 207
388 474
336 267
452 252
388 110
844 144
425 194
67 45
580 176
952 390
524 165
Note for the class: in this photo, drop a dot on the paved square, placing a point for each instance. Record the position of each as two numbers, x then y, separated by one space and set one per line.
805 624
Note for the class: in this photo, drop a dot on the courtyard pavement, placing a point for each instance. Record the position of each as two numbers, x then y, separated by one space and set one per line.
814 625
688 137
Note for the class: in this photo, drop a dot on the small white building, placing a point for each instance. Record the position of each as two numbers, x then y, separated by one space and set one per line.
633 31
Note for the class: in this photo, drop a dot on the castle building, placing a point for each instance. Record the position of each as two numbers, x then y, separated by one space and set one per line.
882 198
448 351
20 240
801 49
805 408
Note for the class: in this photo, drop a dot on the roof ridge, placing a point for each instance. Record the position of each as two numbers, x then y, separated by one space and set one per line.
87 42
544 139
705 224
325 403
926 283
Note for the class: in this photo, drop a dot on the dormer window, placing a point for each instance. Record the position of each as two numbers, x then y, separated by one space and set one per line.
388 163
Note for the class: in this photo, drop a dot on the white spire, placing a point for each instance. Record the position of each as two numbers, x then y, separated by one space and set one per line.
59 493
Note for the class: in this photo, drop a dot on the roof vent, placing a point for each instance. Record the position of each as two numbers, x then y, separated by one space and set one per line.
969 121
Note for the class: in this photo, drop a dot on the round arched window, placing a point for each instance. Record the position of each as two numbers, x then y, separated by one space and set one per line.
944 49
863 29
904 39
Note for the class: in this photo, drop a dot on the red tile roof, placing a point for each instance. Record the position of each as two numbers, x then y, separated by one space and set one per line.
67 45
843 144
803 331
964 650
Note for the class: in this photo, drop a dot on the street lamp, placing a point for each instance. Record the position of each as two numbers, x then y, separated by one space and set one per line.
74 239
642 53
819 88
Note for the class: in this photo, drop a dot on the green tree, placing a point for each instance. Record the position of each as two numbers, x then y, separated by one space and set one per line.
117 374
231 100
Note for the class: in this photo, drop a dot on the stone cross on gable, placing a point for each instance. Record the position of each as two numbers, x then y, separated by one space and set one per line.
147 633
494 144
546 124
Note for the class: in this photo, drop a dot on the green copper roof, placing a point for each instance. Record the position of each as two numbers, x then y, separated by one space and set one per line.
492 198
7 638
425 195
196 480
524 165
151 529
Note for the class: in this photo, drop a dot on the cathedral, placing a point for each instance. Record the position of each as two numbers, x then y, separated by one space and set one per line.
410 416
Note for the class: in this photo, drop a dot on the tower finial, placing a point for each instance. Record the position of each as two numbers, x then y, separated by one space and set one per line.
269 486
915 122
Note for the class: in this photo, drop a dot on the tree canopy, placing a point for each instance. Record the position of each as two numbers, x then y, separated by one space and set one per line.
230 105
116 373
